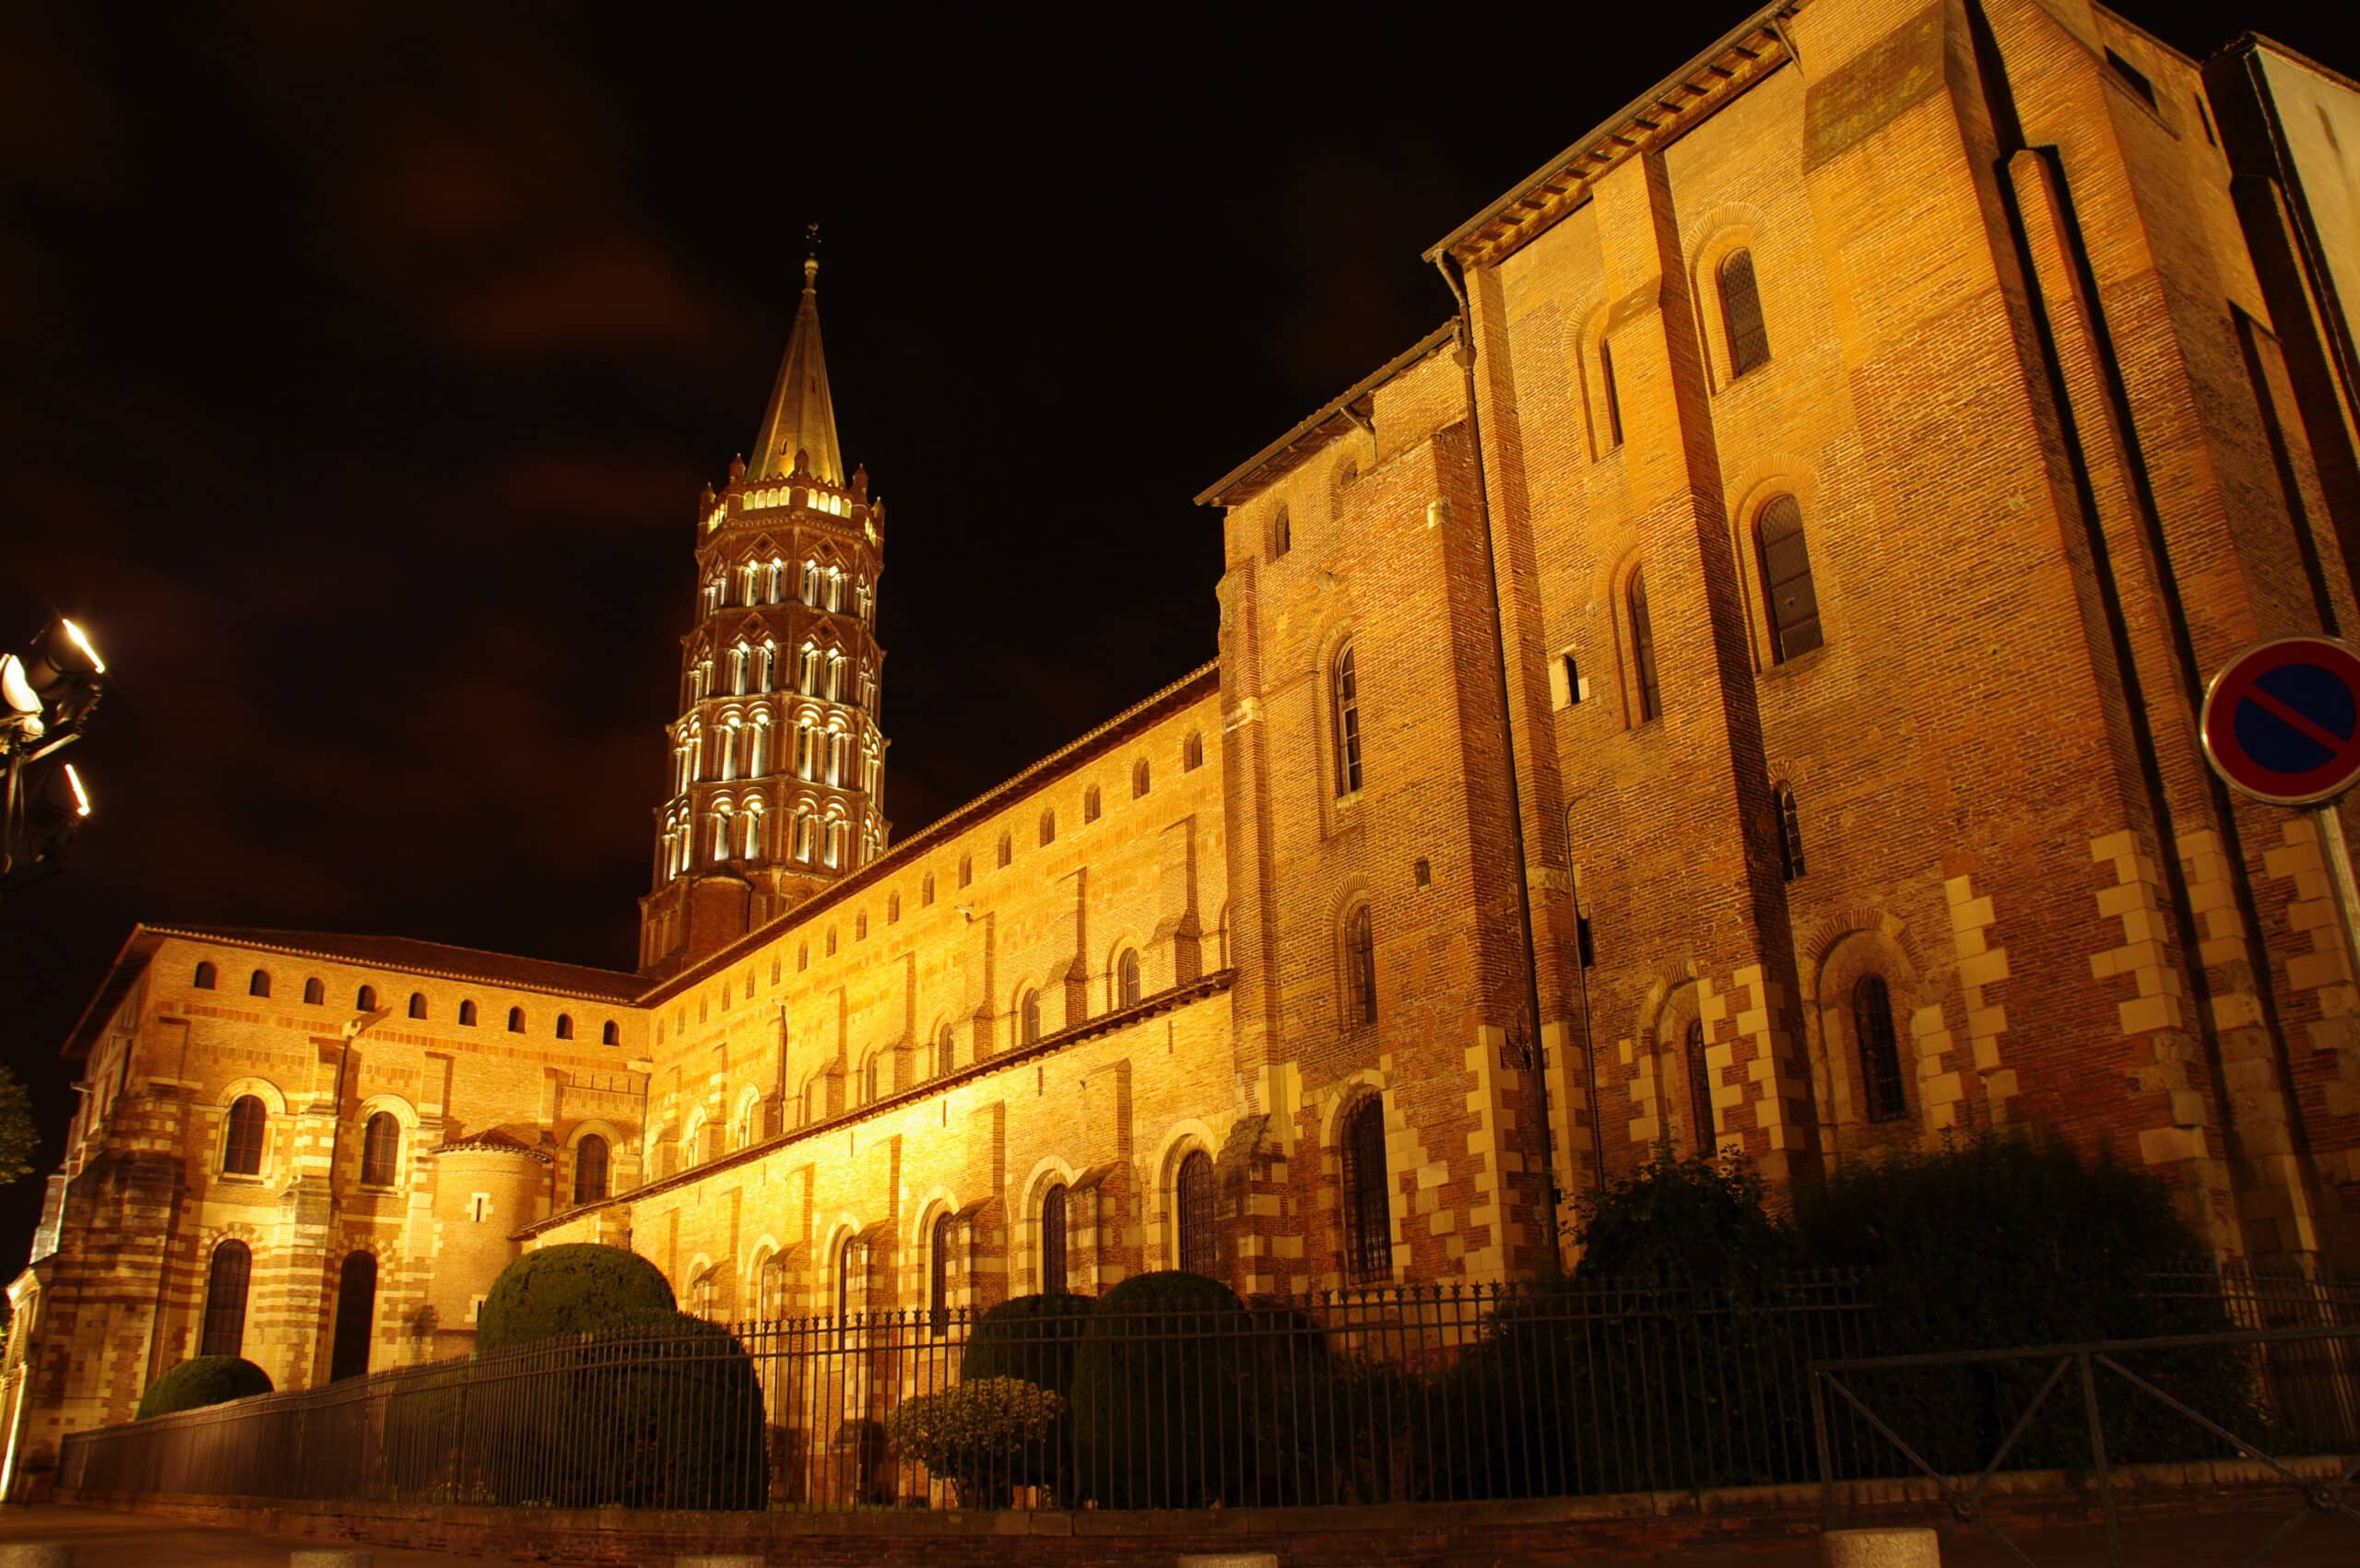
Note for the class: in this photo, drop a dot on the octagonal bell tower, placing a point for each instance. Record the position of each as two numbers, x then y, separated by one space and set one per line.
776 758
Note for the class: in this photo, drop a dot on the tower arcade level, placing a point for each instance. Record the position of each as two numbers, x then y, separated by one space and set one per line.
776 758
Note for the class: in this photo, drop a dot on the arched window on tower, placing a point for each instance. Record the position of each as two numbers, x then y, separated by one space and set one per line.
806 670
757 754
751 835
1028 1013
811 583
805 826
946 1050
1880 1086
1090 805
733 730
1049 826
1368 1209
752 574
1643 647
590 1169
738 654
966 869
1786 579
839 757
1702 1133
1127 979
776 584
242 1143
713 594
725 819
467 1012
226 1279
1192 753
1007 848
1053 1240
837 665
1360 968
365 999
418 1004
204 979
807 748
516 1021
1742 315
1281 533
314 994
258 983
872 764
766 665
1139 778
1344 698
565 1026
381 1147
835 590
1192 1200
839 840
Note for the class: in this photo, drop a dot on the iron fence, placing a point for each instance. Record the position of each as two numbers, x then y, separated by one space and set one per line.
1417 1393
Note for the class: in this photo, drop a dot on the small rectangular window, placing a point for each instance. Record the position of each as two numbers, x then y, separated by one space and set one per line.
1566 686
2132 74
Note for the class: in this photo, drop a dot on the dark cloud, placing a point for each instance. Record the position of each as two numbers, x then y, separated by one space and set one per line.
359 364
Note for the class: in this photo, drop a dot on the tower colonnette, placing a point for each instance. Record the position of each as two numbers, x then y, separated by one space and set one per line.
776 757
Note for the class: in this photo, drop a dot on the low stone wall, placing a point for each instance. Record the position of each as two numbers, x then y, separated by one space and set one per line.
1556 1531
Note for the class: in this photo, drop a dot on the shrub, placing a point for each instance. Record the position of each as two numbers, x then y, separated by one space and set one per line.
572 1289
1698 1218
1033 1337
2001 1240
208 1380
665 1412
1159 1394
973 1433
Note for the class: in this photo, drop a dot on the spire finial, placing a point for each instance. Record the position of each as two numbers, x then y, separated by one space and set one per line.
810 257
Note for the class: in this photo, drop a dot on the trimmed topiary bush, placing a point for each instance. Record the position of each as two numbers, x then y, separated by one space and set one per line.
572 1289
1696 1219
664 1412
975 1434
1161 1401
208 1380
1035 1337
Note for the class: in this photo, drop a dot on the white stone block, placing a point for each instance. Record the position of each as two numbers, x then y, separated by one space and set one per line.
1880 1548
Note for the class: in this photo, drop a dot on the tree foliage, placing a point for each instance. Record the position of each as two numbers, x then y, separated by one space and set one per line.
575 1288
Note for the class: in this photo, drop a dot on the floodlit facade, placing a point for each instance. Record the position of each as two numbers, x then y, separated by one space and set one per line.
1759 640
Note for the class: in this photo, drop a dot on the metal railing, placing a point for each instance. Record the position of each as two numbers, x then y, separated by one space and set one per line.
1417 1393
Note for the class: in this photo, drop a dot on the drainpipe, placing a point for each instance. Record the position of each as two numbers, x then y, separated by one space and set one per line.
1535 1057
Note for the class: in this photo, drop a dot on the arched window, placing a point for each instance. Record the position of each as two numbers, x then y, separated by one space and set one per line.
738 656
852 1278
893 909
1192 753
314 994
835 676
1052 1239
1126 980
832 941
806 826
204 977
872 1079
365 999
860 926
1089 804
1139 778
1609 395
966 869
1368 1209
1700 1132
381 1147
1348 473
1048 827
590 1169
1881 1089
835 844
725 820
751 836
565 1026
610 1035
516 1021
1281 533
225 1299
811 583
938 1272
467 1012
1192 1199
258 983
1029 1013
1742 315
1643 647
356 1314
806 670
241 1149
758 749
1344 697
418 1004
1007 848
1360 968
1791 835
926 890
1786 579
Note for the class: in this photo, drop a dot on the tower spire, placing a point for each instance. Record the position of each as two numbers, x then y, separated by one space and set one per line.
801 418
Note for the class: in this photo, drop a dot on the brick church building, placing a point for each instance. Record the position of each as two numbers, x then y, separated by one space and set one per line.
1734 685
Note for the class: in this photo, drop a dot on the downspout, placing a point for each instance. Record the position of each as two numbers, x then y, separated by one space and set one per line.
1535 1057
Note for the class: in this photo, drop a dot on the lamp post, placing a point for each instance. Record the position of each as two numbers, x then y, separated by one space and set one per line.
47 694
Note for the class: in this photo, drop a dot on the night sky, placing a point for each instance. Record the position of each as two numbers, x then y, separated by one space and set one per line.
359 364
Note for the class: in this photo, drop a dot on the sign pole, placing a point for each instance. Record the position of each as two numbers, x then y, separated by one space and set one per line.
2328 823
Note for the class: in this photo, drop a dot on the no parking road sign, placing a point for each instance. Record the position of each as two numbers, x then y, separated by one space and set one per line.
2282 721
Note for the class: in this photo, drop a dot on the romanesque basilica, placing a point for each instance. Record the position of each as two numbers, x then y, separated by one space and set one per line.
1733 686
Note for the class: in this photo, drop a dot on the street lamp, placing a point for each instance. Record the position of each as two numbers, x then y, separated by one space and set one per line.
47 694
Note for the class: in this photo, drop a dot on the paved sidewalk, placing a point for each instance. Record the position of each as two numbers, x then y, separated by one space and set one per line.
133 1540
